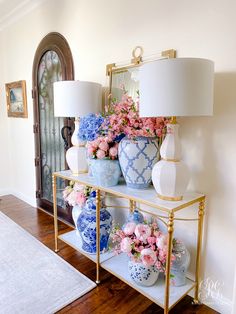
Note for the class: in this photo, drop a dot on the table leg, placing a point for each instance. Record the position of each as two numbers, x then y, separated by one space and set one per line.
132 205
199 248
168 261
54 187
98 206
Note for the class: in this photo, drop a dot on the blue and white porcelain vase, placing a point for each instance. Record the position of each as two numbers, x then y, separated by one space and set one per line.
87 226
143 275
76 210
180 264
105 172
90 173
137 158
136 217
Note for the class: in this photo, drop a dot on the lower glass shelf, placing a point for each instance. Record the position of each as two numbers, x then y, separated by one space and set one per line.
118 266
72 239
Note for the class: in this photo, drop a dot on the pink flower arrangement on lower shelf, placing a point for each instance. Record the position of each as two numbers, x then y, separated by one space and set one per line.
76 194
143 243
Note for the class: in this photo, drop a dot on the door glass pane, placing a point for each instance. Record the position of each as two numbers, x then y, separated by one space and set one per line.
52 146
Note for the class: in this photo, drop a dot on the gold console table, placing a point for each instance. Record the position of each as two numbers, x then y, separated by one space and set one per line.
162 293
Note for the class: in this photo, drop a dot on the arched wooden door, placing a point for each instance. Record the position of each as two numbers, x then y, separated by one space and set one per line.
52 62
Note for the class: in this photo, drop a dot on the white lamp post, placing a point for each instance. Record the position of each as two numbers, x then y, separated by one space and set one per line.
170 88
76 99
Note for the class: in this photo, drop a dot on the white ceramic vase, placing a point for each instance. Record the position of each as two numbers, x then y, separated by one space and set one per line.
170 175
143 275
76 210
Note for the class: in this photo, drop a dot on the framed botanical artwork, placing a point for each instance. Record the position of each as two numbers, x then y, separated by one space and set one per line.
16 99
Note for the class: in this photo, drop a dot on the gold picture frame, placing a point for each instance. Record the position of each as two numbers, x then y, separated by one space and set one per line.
16 99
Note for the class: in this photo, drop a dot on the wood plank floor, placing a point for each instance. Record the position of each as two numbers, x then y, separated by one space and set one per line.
112 295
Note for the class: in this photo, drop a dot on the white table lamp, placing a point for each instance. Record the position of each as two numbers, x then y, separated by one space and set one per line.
170 88
76 99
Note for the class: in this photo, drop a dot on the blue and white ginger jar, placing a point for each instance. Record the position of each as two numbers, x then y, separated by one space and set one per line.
143 275
105 172
137 158
136 217
87 226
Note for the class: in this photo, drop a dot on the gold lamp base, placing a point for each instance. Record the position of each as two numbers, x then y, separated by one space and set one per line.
170 198
79 172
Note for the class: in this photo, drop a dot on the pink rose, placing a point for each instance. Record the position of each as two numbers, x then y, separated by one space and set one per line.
125 245
159 132
151 240
159 266
78 187
100 154
91 149
139 248
104 146
80 199
66 192
142 232
148 257
129 228
120 233
113 152
162 255
162 241
71 199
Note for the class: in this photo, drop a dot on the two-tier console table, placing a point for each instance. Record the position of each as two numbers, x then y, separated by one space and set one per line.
162 293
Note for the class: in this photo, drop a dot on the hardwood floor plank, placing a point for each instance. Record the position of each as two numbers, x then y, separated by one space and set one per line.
112 295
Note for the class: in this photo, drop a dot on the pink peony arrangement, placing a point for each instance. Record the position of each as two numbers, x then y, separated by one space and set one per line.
143 243
76 194
124 119
103 147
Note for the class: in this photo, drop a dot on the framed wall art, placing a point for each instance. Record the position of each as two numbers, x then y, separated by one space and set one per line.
16 99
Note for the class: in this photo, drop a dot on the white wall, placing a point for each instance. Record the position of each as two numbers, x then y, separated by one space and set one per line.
105 31
5 172
234 294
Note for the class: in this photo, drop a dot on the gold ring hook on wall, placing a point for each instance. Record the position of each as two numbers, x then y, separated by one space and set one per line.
137 54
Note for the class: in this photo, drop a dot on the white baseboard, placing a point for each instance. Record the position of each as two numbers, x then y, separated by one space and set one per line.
234 294
211 295
5 192
29 200
219 303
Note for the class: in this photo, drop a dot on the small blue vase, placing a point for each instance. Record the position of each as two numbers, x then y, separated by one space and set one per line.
136 217
137 158
106 172
86 225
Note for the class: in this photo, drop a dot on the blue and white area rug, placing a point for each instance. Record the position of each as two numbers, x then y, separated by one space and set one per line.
33 279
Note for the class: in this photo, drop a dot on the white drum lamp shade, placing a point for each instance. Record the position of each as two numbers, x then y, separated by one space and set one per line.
170 88
76 99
